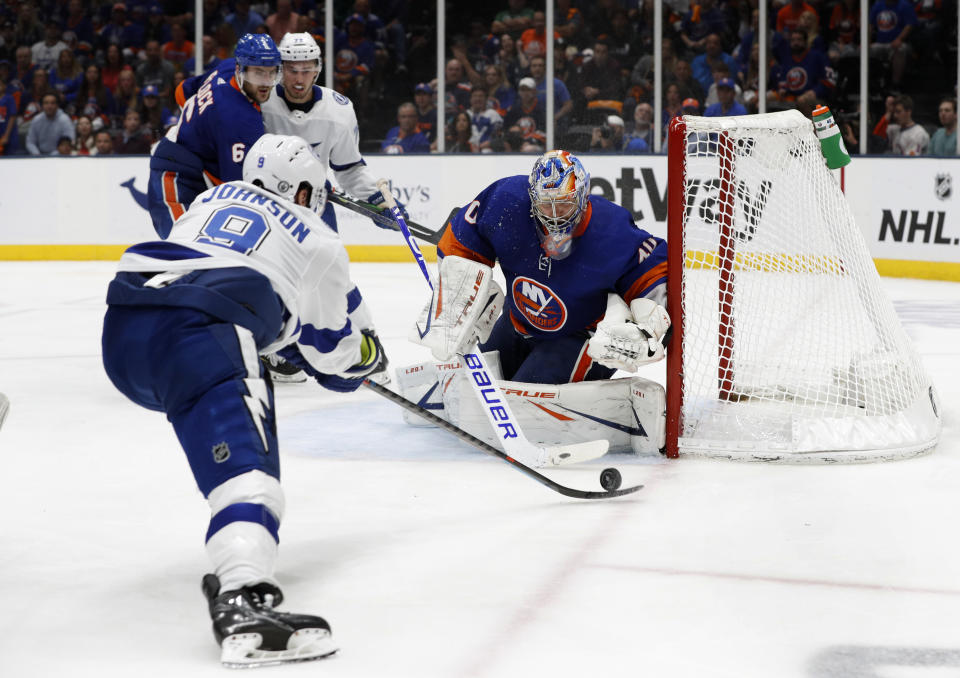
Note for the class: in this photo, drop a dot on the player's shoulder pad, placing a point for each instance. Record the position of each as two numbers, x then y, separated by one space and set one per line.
336 96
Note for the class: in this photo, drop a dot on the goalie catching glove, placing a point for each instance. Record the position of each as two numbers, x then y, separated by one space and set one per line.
627 338
462 311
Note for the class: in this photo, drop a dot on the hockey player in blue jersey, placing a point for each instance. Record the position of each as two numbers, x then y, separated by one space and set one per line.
586 287
216 127
249 269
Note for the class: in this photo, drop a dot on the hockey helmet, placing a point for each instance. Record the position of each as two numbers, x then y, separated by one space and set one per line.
284 165
559 190
257 49
301 47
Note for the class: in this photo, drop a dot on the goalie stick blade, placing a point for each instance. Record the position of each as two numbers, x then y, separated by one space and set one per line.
558 455
241 650
490 449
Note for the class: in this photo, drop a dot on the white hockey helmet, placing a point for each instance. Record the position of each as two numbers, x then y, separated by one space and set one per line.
284 165
301 47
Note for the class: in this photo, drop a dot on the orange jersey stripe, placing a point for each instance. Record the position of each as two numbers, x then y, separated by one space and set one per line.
658 271
170 195
584 362
450 246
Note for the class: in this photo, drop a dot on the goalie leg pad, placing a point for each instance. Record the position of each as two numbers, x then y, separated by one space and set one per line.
434 386
648 402
462 310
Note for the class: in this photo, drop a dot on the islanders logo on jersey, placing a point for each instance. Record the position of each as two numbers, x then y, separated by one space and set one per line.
538 304
797 79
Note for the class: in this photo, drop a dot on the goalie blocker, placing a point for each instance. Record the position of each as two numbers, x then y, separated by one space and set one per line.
630 412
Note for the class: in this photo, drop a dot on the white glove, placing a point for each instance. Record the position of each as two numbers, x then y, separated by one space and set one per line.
624 342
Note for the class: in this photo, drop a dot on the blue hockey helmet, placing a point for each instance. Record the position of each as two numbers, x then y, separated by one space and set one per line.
257 49
559 194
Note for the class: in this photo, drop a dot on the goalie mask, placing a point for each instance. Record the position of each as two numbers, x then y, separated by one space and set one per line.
559 193
285 166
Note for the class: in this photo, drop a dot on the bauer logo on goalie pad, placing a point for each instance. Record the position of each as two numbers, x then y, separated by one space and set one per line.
491 396
540 306
221 452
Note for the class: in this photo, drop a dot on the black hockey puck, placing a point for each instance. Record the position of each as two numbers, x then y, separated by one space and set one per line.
610 479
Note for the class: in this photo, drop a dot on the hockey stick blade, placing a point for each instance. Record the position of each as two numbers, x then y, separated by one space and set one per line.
490 449
382 216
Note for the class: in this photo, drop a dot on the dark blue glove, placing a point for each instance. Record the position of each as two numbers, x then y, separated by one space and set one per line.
377 201
373 360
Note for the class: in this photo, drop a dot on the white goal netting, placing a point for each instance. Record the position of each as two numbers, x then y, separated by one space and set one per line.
790 350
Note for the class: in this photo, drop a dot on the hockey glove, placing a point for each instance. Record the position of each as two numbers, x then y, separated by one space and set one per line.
373 360
377 200
627 341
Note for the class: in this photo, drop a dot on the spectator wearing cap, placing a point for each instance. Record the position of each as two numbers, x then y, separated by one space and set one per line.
727 104
112 33
9 136
178 49
426 111
66 76
283 21
156 28
691 106
45 52
84 142
719 73
104 142
526 122
153 114
562 103
243 20
133 140
48 128
611 138
404 138
713 55
499 90
78 22
155 70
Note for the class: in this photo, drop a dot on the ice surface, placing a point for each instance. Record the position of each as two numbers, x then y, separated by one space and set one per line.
432 560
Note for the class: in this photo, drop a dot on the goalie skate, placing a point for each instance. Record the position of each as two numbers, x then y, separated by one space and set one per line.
252 633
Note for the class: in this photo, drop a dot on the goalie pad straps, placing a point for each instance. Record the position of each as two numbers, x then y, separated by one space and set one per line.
462 310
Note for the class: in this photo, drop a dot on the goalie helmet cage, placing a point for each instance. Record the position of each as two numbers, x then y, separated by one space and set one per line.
785 346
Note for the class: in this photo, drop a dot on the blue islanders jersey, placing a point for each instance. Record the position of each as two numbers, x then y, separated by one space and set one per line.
547 297
218 124
186 89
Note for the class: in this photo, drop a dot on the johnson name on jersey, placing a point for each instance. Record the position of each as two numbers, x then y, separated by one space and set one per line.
239 224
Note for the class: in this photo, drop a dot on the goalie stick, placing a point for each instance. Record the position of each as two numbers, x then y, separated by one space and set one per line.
490 449
381 215
495 405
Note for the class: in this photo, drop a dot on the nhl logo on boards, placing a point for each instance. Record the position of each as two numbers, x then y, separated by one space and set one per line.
221 452
943 186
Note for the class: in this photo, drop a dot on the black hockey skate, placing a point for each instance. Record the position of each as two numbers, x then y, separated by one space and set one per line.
282 371
252 633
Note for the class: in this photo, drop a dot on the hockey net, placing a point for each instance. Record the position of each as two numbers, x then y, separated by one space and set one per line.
789 350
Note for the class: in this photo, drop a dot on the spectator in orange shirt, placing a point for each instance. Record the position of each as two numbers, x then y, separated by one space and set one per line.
179 49
788 17
533 41
283 21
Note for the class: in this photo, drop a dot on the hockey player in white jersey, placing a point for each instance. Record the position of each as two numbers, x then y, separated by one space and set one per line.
249 269
322 116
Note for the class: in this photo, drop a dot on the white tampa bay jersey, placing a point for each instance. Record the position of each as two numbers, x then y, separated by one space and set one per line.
239 224
330 127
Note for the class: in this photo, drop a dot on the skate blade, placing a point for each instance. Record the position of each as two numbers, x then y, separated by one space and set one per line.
241 651
295 378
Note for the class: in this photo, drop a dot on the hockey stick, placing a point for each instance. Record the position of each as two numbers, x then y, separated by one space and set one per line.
490 449
495 405
381 215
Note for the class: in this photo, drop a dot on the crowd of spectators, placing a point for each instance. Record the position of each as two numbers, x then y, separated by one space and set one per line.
101 75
